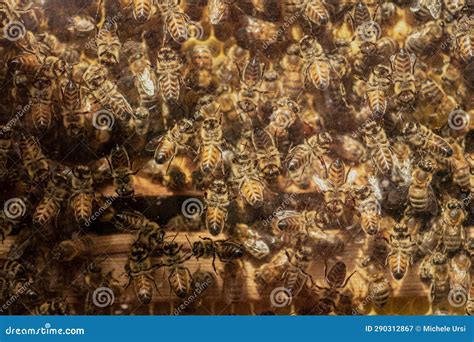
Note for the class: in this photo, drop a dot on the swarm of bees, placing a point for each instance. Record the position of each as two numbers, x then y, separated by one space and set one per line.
244 146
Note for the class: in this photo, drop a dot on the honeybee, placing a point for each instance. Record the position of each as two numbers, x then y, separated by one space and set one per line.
41 110
142 10
149 233
379 286
267 154
139 269
271 272
403 66
421 137
56 306
141 121
331 296
121 171
217 202
179 276
377 87
254 242
425 41
379 147
316 64
401 251
440 277
313 10
450 228
144 76
349 148
68 250
335 186
72 113
284 115
106 93
25 63
312 149
247 180
211 145
50 205
420 193
453 7
225 250
296 277
34 161
108 44
168 69
463 43
424 8
470 301
219 10
82 195
368 205
234 285
172 142
174 19
81 25
294 222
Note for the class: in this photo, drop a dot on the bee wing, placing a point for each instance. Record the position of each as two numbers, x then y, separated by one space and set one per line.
374 183
352 176
258 248
434 6
322 184
146 83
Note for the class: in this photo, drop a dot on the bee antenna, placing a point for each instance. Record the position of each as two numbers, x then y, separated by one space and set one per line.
189 242
175 237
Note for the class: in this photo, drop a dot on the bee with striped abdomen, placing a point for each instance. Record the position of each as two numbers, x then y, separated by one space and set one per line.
121 171
379 147
296 276
179 276
175 21
212 141
41 110
168 69
464 38
72 109
316 64
271 272
401 251
403 67
421 137
266 152
368 205
225 250
143 10
379 285
108 44
82 195
34 161
217 202
50 205
420 192
449 227
68 250
139 270
172 142
377 88
247 179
